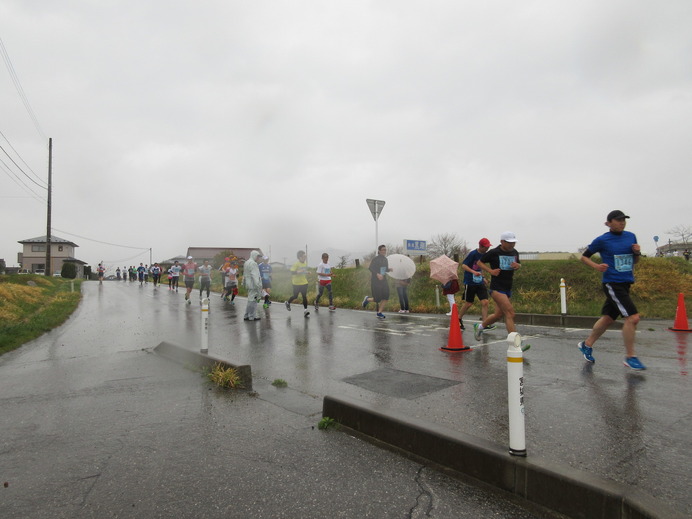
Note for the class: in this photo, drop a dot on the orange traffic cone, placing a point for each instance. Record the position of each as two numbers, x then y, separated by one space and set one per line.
680 324
455 341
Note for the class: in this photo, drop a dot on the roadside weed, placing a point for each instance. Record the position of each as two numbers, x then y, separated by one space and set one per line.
224 376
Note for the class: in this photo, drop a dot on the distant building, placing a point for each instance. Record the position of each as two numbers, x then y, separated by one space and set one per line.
33 256
673 248
207 253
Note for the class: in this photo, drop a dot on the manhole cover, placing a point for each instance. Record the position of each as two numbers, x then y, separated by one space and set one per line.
400 384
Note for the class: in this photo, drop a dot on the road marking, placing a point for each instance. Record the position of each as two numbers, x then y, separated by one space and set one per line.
385 330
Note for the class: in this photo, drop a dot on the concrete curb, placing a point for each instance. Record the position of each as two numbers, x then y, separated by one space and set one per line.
202 360
568 491
560 321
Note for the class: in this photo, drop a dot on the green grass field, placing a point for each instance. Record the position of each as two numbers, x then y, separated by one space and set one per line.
31 305
536 288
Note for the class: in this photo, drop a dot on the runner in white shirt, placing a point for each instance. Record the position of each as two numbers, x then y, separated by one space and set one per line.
204 278
174 271
324 279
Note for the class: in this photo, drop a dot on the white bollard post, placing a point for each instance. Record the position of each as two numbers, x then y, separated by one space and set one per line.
205 326
72 286
563 297
515 395
437 296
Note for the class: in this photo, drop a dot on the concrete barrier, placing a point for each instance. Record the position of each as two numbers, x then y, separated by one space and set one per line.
203 360
571 492
561 321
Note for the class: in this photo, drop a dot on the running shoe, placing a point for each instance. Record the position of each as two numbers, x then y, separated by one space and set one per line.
402 311
477 331
332 307
288 305
634 363
306 313
490 327
461 324
265 306
380 315
317 307
448 314
588 352
365 302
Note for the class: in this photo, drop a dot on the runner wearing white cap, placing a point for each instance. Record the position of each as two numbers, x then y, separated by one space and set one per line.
500 263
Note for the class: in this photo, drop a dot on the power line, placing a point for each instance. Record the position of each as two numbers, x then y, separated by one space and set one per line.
23 161
102 242
19 167
20 90
19 181
119 261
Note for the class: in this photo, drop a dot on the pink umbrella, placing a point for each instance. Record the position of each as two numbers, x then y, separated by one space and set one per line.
444 269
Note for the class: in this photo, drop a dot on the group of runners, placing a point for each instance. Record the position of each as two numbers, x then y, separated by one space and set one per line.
142 273
618 250
189 271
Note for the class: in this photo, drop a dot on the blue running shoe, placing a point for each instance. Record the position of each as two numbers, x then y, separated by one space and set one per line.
380 315
477 331
365 302
586 351
634 363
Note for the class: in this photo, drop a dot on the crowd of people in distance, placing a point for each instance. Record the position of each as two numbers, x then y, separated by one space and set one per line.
143 273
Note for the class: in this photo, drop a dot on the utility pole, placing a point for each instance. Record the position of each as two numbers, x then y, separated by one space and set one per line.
49 268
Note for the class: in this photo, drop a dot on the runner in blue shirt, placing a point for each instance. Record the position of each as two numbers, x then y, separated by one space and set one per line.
156 274
474 283
140 273
266 274
619 253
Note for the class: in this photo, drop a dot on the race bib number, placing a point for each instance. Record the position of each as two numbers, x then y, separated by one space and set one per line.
477 278
506 262
624 262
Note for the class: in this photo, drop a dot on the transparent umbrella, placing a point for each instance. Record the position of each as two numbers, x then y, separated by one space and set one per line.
444 269
402 266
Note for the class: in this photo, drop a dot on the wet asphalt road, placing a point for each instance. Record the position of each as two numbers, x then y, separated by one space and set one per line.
95 425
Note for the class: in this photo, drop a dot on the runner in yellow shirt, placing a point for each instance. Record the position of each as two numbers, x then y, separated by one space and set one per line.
299 279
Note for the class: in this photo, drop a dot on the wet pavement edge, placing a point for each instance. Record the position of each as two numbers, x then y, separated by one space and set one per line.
565 490
568 491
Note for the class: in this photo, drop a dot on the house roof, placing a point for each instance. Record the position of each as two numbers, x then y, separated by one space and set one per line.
180 259
53 239
74 260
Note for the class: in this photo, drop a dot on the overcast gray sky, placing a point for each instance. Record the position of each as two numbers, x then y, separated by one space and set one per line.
268 123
